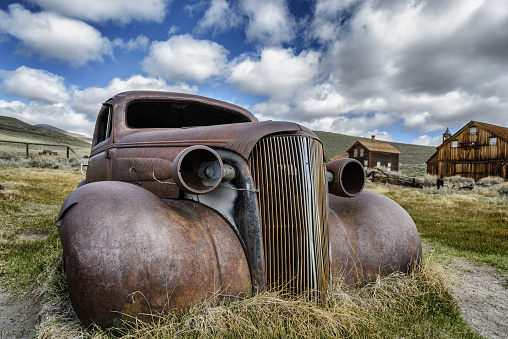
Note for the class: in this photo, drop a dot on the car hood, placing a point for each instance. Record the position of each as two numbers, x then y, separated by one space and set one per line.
240 138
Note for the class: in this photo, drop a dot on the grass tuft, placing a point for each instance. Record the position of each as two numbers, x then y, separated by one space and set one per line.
400 305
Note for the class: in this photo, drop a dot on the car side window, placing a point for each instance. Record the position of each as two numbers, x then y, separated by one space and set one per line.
104 124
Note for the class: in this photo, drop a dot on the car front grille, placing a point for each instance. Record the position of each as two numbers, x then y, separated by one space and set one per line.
290 174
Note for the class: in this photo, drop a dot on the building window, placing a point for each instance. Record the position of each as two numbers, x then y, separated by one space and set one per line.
366 163
355 153
389 167
378 164
472 131
361 152
455 144
493 141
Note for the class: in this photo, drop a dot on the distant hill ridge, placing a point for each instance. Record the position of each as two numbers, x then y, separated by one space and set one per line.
334 143
81 137
338 144
12 129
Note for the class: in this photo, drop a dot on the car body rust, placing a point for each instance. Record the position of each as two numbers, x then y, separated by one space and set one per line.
188 198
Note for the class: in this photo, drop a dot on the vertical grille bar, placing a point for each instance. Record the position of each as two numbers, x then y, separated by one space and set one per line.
289 172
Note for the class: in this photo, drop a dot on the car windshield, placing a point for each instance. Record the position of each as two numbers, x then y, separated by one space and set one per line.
170 114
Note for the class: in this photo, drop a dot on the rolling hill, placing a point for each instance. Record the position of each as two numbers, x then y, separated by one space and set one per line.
334 144
338 144
12 129
74 135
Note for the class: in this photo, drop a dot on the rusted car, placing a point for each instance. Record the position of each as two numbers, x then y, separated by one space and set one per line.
186 197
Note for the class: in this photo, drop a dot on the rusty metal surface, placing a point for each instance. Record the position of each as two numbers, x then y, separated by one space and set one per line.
348 177
240 137
237 202
143 242
128 251
189 169
371 234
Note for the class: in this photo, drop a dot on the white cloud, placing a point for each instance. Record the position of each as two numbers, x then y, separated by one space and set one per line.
426 140
432 64
35 84
52 36
276 72
140 43
269 22
219 17
123 11
72 109
89 100
58 115
271 110
184 58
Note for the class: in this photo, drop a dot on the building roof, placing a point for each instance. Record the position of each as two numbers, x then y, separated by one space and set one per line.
501 132
376 147
339 157
433 156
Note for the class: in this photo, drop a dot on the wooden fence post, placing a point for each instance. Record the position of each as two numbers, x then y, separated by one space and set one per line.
27 154
67 152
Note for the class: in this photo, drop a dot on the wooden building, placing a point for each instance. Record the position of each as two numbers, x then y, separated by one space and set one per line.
375 154
433 164
476 151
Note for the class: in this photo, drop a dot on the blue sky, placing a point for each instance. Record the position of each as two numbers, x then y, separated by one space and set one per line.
402 70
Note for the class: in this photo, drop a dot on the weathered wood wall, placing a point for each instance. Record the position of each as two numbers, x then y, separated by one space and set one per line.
474 157
374 157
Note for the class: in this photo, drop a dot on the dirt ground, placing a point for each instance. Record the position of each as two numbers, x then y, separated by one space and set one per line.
482 295
18 316
480 291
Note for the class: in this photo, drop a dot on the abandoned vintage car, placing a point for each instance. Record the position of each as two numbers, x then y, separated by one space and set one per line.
187 197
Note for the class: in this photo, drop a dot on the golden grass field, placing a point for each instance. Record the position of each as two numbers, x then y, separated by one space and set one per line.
464 224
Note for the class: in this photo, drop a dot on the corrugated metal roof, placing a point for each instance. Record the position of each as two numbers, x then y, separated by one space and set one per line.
376 147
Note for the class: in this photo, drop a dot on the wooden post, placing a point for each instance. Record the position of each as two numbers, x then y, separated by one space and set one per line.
27 154
67 152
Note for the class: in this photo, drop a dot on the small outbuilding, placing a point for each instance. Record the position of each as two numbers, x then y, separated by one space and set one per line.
375 154
476 151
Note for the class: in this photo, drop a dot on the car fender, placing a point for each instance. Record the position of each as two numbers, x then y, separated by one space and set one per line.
129 253
370 234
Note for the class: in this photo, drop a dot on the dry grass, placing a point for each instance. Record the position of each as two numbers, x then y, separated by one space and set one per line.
470 224
397 306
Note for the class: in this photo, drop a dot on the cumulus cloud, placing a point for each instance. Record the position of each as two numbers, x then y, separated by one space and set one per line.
140 43
89 100
123 11
426 140
276 72
35 84
429 63
52 36
58 115
269 22
219 17
69 108
182 58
